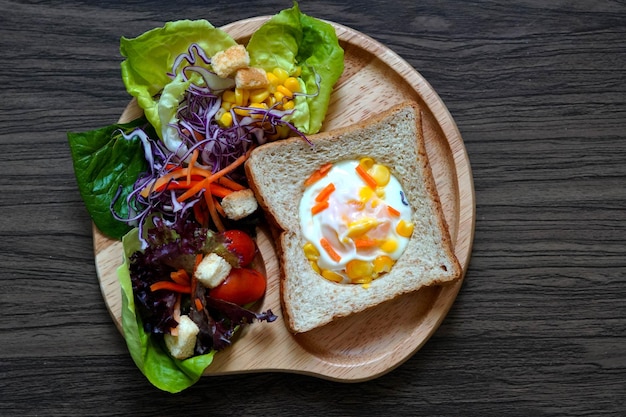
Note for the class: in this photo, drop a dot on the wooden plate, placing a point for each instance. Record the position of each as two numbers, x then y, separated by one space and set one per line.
376 341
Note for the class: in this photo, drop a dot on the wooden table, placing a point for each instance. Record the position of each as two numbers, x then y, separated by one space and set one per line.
537 90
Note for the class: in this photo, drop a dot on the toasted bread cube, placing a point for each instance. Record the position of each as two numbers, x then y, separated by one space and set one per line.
251 78
226 62
182 346
212 270
239 204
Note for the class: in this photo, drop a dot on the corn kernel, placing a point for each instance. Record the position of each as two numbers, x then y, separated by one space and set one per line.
380 173
315 267
297 71
258 106
279 97
366 163
389 245
270 101
241 112
292 84
289 105
331 275
259 96
284 90
226 119
382 264
311 252
380 192
365 194
273 79
404 228
357 268
228 96
362 280
281 74
361 226
241 96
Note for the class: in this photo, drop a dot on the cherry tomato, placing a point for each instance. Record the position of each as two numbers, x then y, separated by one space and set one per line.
241 286
241 245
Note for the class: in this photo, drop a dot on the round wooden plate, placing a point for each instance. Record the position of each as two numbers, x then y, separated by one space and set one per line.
371 343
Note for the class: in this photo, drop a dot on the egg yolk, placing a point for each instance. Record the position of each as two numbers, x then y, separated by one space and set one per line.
355 219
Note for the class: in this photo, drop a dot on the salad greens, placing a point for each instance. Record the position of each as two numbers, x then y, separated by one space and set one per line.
291 39
151 179
104 161
148 353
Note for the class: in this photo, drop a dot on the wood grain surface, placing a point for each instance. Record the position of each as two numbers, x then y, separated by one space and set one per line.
537 90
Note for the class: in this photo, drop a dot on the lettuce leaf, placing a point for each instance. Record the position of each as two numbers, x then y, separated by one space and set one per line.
150 57
290 39
150 356
103 161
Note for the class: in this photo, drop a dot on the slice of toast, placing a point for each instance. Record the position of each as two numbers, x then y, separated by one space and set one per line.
277 171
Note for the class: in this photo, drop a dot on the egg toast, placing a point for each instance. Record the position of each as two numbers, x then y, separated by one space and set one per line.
277 173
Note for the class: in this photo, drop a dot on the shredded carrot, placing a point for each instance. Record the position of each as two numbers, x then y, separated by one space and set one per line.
198 304
219 191
192 163
330 250
371 182
393 211
183 172
200 214
219 208
176 313
227 182
321 206
318 174
180 277
172 286
176 185
213 211
364 243
325 193
199 258
174 331
200 185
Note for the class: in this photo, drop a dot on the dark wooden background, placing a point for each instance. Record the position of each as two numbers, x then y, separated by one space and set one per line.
538 90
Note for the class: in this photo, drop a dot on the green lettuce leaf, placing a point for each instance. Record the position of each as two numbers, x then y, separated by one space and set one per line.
150 57
150 355
290 39
103 161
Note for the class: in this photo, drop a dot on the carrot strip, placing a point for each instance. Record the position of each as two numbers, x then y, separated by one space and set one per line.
393 211
198 304
325 193
213 211
172 286
321 206
318 174
200 185
175 185
227 182
219 191
200 214
219 208
192 163
371 182
176 313
364 243
330 250
180 277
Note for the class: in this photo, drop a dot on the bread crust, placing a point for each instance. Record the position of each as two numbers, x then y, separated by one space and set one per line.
286 227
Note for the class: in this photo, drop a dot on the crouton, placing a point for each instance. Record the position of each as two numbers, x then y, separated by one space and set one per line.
249 78
182 346
226 62
239 204
212 270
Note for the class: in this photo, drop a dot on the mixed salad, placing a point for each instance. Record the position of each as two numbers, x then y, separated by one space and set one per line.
171 184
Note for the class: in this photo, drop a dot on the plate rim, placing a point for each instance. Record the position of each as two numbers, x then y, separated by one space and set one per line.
413 78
